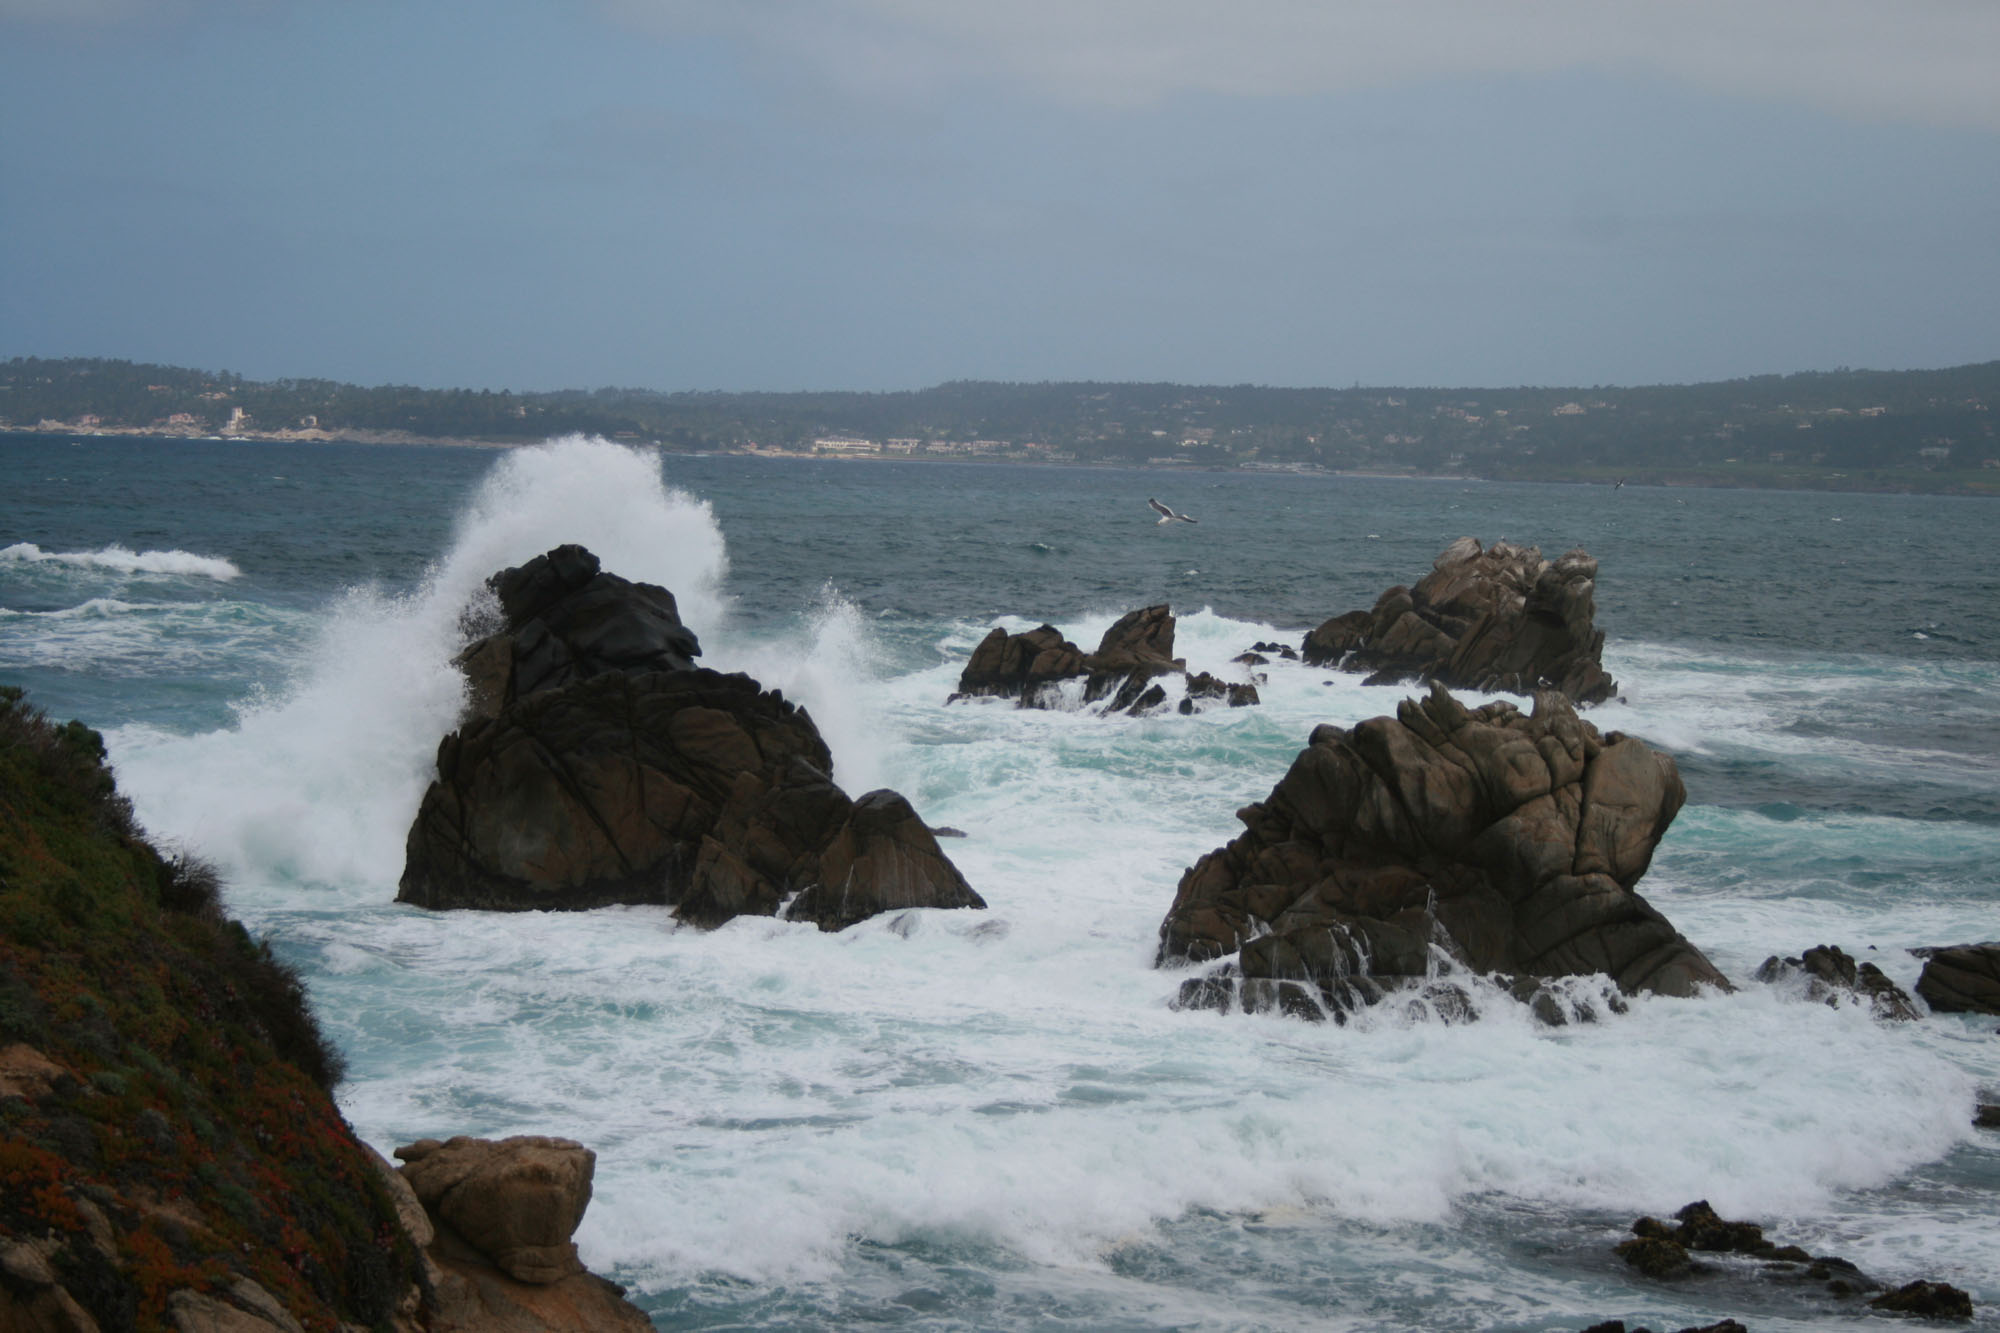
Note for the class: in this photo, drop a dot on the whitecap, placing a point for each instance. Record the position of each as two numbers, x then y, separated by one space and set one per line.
123 560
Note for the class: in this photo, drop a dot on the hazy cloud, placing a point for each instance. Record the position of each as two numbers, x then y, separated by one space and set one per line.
78 13
1923 61
86 16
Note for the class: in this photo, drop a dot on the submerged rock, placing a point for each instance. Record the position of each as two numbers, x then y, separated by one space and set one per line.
1125 670
597 765
1495 619
1442 837
1928 1300
1666 1253
1833 978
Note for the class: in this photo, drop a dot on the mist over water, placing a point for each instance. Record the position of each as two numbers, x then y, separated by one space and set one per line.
994 1119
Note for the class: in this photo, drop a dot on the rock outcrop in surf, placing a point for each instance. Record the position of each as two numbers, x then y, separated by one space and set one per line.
1828 975
1962 979
1124 675
1499 618
596 765
1439 839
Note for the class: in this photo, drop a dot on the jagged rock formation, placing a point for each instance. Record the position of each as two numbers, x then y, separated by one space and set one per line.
1962 979
564 620
170 1153
597 765
1487 839
1126 669
1494 619
1833 978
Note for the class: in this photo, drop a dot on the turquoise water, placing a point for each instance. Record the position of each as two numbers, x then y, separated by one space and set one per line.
994 1120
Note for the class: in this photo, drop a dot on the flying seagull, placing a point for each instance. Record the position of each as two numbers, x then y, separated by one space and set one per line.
1167 515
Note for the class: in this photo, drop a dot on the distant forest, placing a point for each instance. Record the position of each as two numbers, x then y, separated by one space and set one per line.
1930 430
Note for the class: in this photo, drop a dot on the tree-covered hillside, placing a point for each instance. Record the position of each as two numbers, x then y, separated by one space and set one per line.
1931 430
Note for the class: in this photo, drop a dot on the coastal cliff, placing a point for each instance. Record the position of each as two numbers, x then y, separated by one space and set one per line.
170 1152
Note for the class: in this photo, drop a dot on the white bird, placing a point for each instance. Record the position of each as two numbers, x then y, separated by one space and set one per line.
1167 515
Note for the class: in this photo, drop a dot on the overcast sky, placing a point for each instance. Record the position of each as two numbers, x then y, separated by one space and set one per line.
881 194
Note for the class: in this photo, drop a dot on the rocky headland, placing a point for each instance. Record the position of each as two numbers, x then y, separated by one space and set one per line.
1441 838
1496 619
170 1153
597 764
1123 675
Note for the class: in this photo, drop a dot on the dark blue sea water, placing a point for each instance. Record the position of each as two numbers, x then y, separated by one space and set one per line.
995 1120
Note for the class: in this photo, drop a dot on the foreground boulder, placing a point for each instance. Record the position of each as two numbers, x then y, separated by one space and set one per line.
1124 673
494 1220
517 1201
1441 837
1492 619
1963 979
596 765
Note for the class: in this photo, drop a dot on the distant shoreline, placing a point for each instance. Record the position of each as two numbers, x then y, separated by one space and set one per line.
1667 478
300 436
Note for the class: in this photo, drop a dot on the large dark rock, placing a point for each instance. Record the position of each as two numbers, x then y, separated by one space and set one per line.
564 620
1020 666
1963 979
1482 839
610 770
1123 673
1494 619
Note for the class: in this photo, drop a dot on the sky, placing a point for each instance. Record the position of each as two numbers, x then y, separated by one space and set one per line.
889 194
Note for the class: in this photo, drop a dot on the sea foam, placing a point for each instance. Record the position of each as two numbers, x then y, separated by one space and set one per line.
772 1105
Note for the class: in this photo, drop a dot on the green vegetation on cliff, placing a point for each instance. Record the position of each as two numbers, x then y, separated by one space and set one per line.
166 1124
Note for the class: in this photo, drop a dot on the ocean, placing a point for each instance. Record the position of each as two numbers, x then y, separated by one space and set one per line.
997 1120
